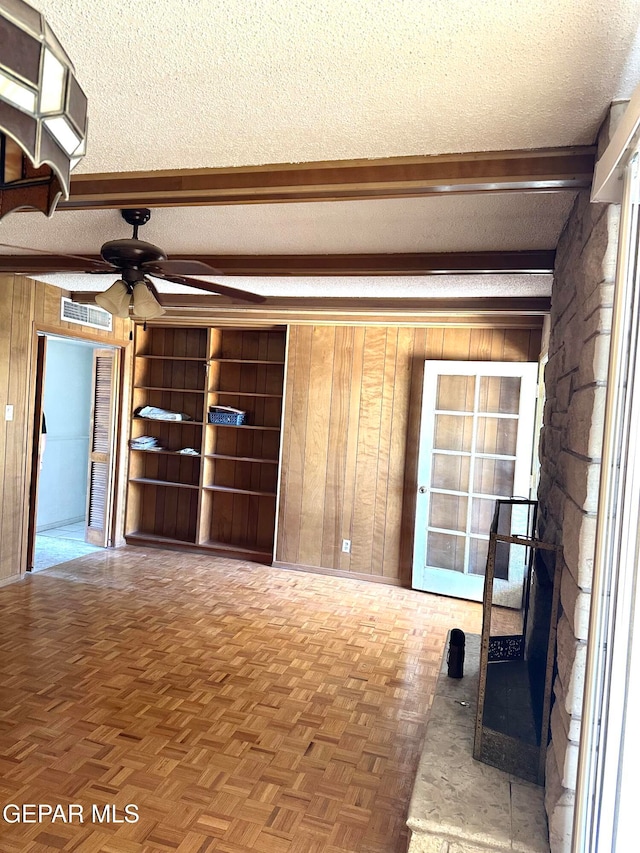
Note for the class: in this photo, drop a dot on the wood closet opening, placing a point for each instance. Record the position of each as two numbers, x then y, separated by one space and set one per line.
207 486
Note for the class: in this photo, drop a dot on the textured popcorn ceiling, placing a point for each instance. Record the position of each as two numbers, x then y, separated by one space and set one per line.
236 82
451 223
405 287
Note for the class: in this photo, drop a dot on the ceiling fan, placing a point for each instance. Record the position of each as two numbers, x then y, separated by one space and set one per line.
136 261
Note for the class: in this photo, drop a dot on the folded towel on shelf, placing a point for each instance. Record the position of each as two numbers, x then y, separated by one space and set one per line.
157 414
189 451
144 442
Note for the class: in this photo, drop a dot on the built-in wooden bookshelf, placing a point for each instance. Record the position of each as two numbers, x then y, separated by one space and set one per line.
221 495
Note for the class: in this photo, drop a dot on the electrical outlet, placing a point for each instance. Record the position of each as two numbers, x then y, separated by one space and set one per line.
346 546
8 413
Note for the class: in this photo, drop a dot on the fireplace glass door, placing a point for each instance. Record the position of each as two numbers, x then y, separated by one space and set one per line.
517 649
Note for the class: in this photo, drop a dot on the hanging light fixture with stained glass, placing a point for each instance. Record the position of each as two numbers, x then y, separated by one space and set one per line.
43 112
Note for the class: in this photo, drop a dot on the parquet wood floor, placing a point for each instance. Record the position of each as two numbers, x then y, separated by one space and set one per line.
239 707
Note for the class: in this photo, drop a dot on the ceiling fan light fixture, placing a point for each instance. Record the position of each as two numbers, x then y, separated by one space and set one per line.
115 299
145 305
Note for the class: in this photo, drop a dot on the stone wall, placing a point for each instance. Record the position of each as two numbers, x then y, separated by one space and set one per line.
571 440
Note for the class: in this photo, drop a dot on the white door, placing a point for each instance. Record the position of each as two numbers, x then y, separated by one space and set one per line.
476 443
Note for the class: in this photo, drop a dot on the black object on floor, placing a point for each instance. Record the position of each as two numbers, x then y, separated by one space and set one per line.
455 658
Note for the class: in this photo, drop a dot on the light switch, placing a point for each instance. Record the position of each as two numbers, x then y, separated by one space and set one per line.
8 413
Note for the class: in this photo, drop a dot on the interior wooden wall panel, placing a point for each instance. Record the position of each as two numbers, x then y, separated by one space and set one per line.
293 466
337 447
429 341
316 449
456 342
26 306
6 436
497 345
516 342
480 342
51 310
351 441
536 343
369 462
18 455
286 431
398 451
351 430
384 449
16 307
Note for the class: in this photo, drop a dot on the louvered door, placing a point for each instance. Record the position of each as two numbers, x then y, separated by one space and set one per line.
101 438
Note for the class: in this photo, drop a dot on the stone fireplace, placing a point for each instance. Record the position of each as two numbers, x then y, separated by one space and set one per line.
508 813
570 451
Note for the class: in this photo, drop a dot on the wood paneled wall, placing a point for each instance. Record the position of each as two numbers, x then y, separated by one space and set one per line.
25 306
352 418
351 424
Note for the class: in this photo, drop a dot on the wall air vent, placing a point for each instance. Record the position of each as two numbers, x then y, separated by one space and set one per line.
85 315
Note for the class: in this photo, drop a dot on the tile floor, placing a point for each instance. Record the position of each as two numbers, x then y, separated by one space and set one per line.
67 531
61 544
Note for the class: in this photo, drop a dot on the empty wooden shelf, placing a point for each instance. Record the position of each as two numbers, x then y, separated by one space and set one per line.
223 497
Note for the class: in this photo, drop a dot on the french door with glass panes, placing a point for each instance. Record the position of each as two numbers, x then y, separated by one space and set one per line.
476 443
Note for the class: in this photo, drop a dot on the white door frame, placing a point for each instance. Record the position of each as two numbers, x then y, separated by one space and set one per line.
456 583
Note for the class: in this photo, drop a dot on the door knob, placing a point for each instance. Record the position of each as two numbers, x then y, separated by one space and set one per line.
422 490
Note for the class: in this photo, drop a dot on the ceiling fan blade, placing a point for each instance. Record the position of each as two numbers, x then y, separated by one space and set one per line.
211 287
180 267
29 250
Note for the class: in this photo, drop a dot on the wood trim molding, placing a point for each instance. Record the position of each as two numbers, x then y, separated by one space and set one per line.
416 263
475 305
337 573
608 184
82 332
540 170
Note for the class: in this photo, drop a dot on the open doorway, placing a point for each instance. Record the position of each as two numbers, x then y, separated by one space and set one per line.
70 415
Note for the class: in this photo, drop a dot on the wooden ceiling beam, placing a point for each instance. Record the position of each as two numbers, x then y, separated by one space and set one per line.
515 311
540 170
402 264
